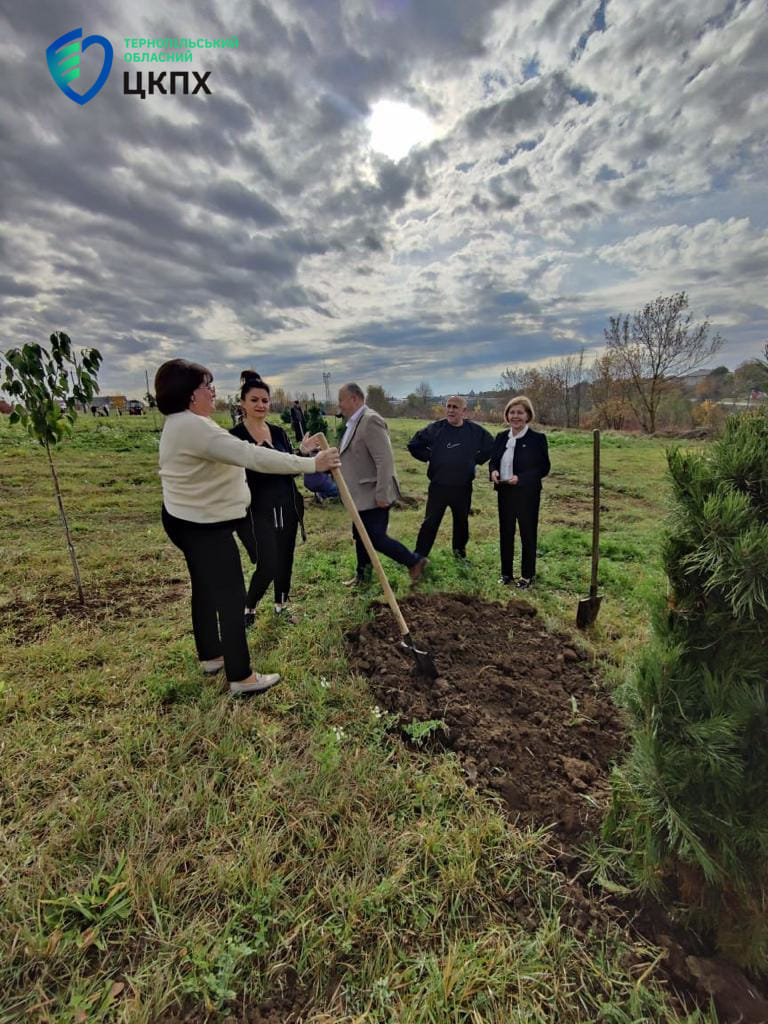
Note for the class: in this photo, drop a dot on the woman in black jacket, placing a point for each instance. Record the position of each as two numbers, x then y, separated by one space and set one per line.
277 509
519 462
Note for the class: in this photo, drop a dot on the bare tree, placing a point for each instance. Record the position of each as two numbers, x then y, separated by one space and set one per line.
552 387
609 394
579 382
656 345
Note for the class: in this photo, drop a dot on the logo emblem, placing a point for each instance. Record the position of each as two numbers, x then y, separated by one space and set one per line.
63 58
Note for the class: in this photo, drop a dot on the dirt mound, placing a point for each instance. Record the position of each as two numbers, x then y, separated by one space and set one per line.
523 706
526 712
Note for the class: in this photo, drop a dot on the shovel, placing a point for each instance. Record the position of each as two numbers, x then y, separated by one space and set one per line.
423 659
590 606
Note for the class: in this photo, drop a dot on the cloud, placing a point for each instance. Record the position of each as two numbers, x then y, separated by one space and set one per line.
585 161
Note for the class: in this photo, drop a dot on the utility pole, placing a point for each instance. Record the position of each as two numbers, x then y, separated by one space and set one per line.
327 383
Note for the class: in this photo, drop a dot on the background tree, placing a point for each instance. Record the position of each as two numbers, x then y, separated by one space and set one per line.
315 421
690 802
609 394
419 402
49 385
377 399
653 347
717 384
553 387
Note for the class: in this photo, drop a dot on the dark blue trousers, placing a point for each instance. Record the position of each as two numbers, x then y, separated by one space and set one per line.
376 521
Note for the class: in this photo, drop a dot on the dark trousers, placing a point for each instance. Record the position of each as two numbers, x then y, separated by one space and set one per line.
218 591
439 498
270 540
376 521
518 508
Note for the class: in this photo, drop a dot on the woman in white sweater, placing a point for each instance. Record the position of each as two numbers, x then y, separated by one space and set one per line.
205 496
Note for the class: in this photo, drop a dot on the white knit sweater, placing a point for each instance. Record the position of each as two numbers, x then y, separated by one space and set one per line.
202 468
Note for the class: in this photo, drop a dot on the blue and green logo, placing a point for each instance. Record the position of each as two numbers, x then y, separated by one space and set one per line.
63 58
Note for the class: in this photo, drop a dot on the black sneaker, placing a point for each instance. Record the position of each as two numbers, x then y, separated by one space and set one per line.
249 618
524 584
506 581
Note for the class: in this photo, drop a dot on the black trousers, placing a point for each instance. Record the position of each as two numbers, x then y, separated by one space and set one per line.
270 540
518 508
218 591
439 498
376 521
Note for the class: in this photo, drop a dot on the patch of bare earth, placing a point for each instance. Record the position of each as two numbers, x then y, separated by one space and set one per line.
29 621
530 720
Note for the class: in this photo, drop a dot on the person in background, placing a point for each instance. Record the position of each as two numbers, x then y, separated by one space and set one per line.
277 509
322 486
369 471
298 421
519 462
452 447
205 498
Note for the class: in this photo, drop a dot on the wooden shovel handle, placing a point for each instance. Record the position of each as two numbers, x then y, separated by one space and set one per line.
595 510
349 505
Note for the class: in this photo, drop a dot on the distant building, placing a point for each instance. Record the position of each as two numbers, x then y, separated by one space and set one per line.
691 380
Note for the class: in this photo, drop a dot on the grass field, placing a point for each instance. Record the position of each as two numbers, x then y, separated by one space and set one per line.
171 854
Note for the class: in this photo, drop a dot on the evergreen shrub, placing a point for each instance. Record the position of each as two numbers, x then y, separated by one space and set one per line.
691 803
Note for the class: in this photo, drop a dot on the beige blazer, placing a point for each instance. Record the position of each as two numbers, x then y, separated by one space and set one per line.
368 464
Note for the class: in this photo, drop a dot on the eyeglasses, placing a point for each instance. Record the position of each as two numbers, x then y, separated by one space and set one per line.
208 386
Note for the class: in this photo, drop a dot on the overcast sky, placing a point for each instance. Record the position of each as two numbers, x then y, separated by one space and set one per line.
572 160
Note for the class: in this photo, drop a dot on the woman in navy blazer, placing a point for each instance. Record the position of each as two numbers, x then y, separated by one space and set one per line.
519 462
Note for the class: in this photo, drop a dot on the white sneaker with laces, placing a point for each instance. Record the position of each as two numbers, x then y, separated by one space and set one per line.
255 683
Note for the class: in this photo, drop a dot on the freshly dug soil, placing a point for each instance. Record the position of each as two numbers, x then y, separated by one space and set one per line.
521 705
527 713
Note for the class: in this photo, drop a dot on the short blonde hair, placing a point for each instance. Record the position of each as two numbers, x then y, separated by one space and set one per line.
526 403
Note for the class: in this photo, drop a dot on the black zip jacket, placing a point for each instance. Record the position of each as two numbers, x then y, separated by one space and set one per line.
531 462
452 452
270 491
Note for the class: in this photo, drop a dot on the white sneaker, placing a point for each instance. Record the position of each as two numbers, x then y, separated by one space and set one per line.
255 683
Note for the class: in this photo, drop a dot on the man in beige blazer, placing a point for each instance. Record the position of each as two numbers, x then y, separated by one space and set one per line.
369 471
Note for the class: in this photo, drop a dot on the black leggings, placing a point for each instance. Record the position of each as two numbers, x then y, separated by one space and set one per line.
270 540
218 591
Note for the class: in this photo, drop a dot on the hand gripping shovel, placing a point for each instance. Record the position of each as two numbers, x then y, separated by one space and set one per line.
423 659
590 606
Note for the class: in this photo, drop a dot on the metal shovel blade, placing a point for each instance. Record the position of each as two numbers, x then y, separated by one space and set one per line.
587 611
423 659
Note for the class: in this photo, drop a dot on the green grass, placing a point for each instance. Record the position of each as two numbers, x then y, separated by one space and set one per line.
167 848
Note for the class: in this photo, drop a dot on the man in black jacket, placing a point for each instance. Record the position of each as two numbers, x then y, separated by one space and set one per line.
452 447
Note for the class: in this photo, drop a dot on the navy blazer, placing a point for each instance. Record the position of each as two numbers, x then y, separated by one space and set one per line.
531 461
